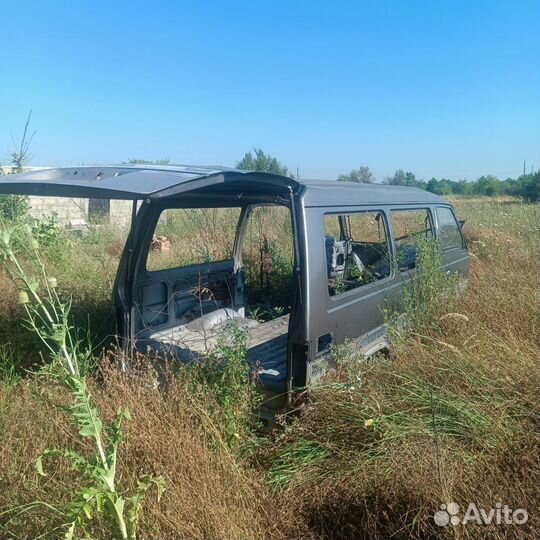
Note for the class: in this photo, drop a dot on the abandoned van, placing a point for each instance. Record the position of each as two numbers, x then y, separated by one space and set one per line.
301 265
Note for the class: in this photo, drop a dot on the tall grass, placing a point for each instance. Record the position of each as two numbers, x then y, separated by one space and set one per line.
378 446
452 416
49 318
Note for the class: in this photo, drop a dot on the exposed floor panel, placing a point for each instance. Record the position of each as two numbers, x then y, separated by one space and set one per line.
267 344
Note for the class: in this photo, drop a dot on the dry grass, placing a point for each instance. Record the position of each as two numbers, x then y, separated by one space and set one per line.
209 494
455 413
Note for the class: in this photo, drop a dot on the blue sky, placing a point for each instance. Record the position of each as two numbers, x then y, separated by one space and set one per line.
441 88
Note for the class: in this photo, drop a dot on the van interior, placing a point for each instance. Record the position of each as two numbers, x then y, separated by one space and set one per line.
357 250
209 268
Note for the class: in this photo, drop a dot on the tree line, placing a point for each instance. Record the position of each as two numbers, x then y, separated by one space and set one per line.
526 186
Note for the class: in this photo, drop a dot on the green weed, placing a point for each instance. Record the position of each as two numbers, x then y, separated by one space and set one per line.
49 318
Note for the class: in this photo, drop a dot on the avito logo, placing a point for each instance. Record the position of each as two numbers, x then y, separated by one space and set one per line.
449 514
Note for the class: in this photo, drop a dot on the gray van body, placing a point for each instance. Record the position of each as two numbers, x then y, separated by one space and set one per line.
290 353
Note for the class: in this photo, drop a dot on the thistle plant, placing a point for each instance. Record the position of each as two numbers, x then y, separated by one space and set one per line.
427 296
49 317
431 292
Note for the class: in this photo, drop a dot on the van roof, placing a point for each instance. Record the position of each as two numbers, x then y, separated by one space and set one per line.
135 182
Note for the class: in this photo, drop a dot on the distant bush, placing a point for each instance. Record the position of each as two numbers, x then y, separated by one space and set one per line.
526 186
14 207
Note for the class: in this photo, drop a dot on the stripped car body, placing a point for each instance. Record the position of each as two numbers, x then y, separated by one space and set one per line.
341 281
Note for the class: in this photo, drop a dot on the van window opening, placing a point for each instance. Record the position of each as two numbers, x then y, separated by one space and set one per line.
449 232
268 262
409 226
356 249
202 236
185 236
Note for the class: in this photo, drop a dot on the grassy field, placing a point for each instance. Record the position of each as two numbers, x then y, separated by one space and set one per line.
452 416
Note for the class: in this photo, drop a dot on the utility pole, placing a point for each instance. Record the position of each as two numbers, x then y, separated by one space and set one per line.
297 173
524 162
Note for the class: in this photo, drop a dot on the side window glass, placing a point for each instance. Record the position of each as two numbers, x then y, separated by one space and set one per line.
185 236
410 227
357 252
448 229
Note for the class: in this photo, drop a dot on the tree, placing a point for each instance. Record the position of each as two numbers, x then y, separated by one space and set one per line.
21 152
527 186
441 187
402 178
487 185
15 207
261 162
397 180
361 176
410 179
531 189
463 187
433 186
